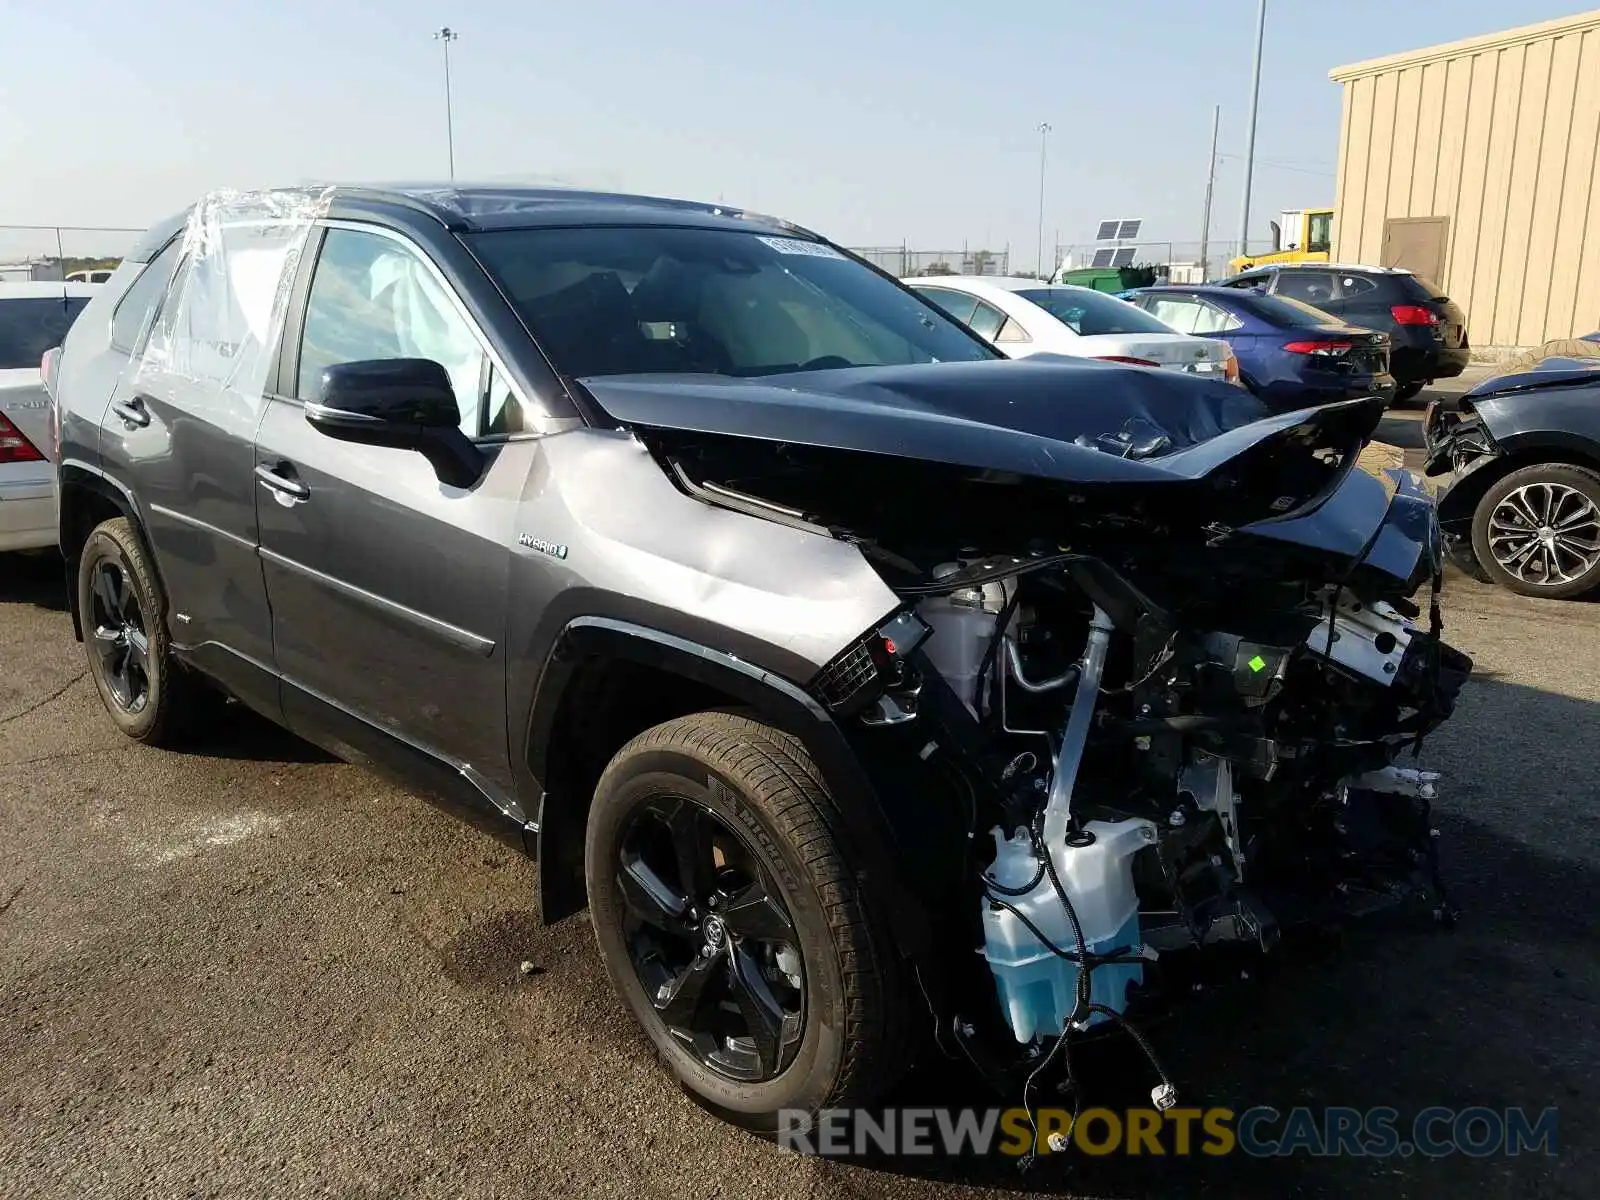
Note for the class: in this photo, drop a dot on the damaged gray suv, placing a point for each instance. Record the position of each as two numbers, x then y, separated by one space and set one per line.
860 684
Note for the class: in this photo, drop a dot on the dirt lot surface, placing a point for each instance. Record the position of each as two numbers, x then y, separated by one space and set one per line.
256 972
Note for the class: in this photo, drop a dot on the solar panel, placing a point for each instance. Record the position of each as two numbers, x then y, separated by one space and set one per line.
1123 257
1102 258
1107 231
1128 230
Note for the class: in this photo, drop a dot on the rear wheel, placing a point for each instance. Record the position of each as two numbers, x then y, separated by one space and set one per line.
1537 531
733 925
1409 391
149 694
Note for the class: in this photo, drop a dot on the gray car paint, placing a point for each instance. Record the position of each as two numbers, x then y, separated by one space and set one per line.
385 614
398 620
186 450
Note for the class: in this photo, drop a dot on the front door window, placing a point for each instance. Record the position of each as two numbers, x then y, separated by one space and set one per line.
372 297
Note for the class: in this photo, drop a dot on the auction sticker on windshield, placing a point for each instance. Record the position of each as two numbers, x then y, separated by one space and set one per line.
797 246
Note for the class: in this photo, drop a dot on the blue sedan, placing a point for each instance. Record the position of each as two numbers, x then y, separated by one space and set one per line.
1290 354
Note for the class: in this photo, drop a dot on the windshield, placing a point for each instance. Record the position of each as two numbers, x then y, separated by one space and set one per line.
1281 311
637 300
30 327
1087 312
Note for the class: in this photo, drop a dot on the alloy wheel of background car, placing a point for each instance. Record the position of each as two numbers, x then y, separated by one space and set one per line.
735 927
1545 533
1537 531
710 939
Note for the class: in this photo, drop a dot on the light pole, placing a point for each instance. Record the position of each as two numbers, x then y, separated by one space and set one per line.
1250 136
1211 180
448 35
1044 137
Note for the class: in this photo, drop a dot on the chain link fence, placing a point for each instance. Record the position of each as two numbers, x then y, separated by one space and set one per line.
52 252
902 261
1174 262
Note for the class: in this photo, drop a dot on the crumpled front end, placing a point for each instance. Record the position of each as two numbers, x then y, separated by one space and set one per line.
1159 759
1136 702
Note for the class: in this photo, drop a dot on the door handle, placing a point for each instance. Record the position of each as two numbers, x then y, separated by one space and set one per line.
132 412
290 490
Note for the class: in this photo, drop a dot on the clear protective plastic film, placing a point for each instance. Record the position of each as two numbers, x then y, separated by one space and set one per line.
219 327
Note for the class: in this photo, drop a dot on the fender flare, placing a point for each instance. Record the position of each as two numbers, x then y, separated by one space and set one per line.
76 474
859 818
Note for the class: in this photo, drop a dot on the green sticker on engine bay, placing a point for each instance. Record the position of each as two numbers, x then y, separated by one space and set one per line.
1257 663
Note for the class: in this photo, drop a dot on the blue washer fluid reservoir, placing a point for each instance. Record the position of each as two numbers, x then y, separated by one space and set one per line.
1037 987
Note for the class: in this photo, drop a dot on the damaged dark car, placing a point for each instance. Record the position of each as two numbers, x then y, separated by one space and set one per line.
1519 458
843 671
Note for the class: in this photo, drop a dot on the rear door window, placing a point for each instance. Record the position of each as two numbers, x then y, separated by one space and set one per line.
138 303
1179 312
986 321
1353 287
220 321
1312 287
959 305
1211 319
31 325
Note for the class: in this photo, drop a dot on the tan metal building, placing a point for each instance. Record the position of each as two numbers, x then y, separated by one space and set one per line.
1475 164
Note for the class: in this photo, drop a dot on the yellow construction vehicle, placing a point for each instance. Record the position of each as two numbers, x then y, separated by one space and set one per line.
1302 235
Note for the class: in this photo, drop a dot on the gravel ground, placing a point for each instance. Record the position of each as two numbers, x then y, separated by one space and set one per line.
258 972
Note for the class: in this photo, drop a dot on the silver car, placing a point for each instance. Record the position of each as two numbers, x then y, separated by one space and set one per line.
34 318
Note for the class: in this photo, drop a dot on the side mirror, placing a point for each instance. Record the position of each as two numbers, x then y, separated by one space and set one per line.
402 403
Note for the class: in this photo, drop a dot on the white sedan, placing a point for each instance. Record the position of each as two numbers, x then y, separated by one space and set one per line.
33 318
1024 316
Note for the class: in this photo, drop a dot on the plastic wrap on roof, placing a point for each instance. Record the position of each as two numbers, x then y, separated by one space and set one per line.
223 316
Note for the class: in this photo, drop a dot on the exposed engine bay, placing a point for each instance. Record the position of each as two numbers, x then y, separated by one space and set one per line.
1147 694
1150 778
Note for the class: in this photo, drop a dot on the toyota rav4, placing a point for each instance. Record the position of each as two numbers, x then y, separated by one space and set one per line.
843 671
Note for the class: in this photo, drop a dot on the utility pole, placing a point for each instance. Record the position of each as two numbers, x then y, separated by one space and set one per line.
448 35
1250 136
1044 137
1211 182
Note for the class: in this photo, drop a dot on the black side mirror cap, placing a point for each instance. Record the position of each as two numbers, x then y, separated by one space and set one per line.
401 403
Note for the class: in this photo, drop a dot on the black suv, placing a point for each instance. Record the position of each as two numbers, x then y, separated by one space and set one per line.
1427 330
762 601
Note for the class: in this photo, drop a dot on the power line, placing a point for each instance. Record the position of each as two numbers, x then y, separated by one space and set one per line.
1283 166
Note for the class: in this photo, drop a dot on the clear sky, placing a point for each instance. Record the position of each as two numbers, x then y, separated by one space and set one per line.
873 121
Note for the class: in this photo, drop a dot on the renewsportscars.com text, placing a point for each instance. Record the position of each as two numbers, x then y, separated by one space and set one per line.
1259 1132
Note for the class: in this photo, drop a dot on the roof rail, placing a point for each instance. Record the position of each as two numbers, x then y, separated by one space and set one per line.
453 222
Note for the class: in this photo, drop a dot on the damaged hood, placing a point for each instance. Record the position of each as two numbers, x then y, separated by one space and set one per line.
1051 418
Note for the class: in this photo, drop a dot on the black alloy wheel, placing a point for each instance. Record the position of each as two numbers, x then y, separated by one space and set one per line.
118 637
736 925
710 939
148 693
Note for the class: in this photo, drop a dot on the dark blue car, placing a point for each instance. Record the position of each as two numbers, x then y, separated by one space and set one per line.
1290 354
